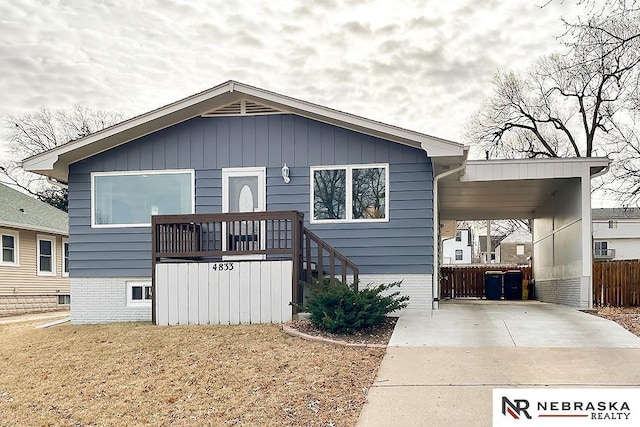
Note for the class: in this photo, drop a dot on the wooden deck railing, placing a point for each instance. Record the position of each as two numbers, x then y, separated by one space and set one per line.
317 251
274 235
215 235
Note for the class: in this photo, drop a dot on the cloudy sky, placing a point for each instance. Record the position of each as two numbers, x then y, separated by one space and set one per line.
424 65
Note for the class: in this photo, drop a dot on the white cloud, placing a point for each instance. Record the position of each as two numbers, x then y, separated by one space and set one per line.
424 65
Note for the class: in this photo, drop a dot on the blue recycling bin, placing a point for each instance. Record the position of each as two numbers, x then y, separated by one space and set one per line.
493 284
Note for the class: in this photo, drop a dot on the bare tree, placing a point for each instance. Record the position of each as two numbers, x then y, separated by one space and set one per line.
582 102
42 130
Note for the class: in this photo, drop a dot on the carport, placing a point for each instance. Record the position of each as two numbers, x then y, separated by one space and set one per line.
554 193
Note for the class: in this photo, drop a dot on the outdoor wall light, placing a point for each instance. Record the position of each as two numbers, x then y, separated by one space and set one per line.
285 174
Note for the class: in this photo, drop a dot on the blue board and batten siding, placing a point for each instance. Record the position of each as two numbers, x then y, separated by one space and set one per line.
404 245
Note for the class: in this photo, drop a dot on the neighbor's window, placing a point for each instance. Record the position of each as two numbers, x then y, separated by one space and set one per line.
613 224
9 253
65 257
64 299
458 254
139 293
46 256
350 193
519 249
600 249
458 236
130 198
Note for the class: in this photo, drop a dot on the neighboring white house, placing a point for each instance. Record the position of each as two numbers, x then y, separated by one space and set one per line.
458 249
616 233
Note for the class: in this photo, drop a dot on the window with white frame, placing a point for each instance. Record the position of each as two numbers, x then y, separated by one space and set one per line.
519 249
350 193
458 254
139 294
459 236
613 224
600 249
65 257
46 255
128 199
9 251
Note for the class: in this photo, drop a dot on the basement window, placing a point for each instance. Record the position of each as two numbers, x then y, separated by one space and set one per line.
139 294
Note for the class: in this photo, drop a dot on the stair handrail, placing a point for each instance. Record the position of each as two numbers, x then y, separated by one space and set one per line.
322 245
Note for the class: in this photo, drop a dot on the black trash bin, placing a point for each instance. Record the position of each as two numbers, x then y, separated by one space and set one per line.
493 284
513 284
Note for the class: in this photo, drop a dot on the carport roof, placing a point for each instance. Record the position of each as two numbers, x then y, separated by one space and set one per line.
501 189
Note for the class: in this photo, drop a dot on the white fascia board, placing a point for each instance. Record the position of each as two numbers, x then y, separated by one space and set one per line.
590 161
43 161
434 146
47 160
515 169
15 225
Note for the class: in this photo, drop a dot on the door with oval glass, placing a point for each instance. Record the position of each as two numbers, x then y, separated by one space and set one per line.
244 190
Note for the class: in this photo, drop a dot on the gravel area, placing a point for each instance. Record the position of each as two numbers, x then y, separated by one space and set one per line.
628 317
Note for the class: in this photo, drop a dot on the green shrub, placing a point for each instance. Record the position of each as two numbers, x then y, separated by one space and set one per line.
339 308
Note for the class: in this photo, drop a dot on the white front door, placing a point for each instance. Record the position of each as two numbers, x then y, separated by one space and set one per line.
244 190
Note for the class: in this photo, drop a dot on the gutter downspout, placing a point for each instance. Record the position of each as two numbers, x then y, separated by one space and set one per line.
602 172
435 286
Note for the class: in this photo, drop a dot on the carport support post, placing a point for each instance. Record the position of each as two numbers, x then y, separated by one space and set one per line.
586 285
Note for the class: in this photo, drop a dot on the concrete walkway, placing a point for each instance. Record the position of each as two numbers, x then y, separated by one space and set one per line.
30 317
444 365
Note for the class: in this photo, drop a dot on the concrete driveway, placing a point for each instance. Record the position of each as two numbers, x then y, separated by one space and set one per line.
487 323
441 368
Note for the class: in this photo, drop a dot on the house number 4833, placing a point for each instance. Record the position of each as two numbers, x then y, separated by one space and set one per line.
222 266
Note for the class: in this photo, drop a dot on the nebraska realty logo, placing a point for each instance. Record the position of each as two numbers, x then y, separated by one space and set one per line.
566 407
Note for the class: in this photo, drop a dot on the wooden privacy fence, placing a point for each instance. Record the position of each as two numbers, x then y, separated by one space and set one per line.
468 282
616 283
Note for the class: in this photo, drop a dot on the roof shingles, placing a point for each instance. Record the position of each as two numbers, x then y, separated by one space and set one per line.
18 210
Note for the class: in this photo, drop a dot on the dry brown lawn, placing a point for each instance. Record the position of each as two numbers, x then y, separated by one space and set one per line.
138 374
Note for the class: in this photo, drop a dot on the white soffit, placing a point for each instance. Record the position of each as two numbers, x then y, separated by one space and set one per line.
503 189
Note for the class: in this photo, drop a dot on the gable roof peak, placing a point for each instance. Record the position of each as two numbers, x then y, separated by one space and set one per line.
55 163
